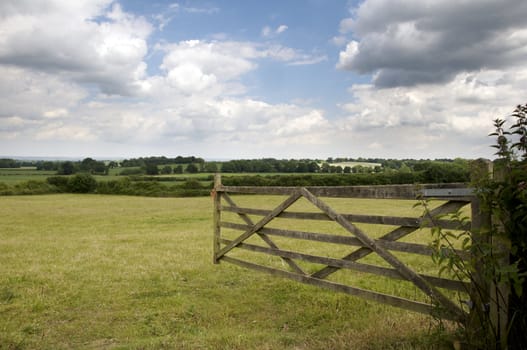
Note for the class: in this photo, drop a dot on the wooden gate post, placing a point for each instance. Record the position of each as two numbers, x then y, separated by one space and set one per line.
480 172
216 197
490 300
500 292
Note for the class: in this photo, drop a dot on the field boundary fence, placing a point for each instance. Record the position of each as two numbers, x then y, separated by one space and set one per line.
255 233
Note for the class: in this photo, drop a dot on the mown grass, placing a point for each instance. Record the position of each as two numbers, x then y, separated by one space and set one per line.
116 272
17 175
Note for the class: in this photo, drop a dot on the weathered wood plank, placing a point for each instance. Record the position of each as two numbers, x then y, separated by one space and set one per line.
366 268
404 270
398 233
365 294
365 251
264 237
404 247
276 211
365 219
380 192
216 198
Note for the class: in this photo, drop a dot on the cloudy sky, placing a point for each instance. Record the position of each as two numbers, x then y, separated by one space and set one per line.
225 79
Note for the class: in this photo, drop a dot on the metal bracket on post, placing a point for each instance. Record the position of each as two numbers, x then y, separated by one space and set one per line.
447 192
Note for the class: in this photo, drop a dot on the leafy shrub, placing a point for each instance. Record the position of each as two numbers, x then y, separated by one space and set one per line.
33 187
121 186
60 182
82 183
192 184
5 190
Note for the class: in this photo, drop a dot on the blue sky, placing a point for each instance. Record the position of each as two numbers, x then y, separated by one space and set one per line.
252 79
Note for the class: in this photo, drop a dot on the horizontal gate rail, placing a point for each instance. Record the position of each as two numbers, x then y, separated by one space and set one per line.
405 247
364 219
255 221
451 190
367 268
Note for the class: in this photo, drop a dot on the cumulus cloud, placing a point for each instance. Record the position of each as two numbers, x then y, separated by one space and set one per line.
89 41
404 43
34 95
456 115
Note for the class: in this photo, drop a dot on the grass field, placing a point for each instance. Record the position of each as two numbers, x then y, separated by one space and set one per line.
115 272
17 175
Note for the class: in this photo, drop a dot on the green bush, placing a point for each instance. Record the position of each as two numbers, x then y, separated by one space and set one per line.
192 184
5 189
121 186
82 183
60 182
33 187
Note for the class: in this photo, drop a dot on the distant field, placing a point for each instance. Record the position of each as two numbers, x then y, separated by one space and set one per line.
11 176
115 272
352 164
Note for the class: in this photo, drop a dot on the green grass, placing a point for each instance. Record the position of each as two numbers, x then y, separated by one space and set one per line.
116 272
17 175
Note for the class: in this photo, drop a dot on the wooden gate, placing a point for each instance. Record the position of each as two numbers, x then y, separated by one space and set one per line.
254 230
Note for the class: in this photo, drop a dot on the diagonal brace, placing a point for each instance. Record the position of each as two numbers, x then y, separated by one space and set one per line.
394 235
403 270
264 237
264 221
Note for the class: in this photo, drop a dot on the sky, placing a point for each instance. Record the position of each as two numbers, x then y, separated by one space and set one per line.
233 79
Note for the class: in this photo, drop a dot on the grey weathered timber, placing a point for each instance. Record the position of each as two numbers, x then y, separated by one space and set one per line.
366 268
414 248
337 287
365 219
283 206
448 193
379 192
454 310
262 235
455 195
216 197
394 235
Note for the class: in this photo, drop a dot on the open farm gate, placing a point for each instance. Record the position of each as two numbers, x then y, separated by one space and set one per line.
243 234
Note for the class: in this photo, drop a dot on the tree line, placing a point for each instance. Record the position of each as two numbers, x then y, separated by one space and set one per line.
438 170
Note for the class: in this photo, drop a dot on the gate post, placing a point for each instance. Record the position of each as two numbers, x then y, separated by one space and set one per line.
216 197
477 325
500 291
489 314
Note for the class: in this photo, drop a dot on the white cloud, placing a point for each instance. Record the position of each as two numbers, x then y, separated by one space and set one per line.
438 120
56 113
406 43
31 95
268 32
281 28
89 41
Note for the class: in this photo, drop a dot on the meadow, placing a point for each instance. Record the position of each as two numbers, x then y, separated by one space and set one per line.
119 272
17 175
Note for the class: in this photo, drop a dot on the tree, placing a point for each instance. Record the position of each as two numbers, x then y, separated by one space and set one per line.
167 169
66 168
9 163
210 167
178 169
151 169
313 167
192 168
82 183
